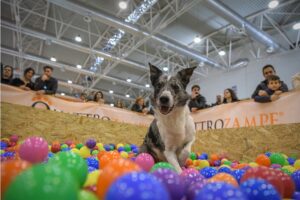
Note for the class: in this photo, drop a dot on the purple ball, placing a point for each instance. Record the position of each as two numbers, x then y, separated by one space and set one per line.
195 188
90 143
275 166
190 176
172 182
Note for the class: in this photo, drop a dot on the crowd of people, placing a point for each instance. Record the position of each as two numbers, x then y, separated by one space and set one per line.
268 90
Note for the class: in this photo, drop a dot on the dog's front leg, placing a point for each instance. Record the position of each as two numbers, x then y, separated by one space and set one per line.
172 159
185 153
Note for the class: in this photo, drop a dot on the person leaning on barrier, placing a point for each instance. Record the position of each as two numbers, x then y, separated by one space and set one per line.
229 96
25 82
98 97
46 84
197 101
139 106
7 73
260 90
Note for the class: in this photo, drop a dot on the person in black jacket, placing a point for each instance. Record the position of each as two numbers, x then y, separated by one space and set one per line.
25 82
273 90
197 101
229 96
260 90
46 84
7 73
139 106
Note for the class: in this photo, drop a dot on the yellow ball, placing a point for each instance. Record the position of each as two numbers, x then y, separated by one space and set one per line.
203 163
120 145
297 164
253 164
285 156
99 145
76 151
84 152
225 166
289 168
223 160
92 178
124 154
49 148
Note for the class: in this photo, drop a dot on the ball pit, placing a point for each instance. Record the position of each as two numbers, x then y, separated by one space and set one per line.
91 170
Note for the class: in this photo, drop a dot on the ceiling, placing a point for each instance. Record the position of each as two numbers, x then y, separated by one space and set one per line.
33 31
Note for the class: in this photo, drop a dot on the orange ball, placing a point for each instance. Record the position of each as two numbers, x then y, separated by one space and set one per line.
9 170
214 157
188 162
106 158
263 160
112 172
224 177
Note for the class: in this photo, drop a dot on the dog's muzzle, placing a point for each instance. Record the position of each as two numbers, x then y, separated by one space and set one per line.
164 105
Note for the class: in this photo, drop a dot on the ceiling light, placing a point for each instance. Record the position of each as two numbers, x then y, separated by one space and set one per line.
112 105
273 4
147 85
270 49
165 69
53 59
79 66
197 39
296 26
62 94
128 80
70 82
123 5
78 38
222 53
111 92
127 95
201 64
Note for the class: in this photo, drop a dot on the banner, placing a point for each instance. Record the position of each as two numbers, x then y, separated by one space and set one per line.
233 115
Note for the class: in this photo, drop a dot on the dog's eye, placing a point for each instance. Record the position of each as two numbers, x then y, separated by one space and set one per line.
159 86
175 87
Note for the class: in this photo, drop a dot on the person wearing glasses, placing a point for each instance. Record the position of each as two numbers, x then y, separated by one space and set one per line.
261 89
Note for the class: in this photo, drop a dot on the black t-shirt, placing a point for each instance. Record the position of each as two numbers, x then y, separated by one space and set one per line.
5 81
18 82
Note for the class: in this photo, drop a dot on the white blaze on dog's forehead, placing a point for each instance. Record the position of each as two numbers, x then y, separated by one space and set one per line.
166 93
169 77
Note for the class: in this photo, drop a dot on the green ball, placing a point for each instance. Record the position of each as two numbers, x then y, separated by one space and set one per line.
127 148
193 156
162 165
43 181
64 146
2 151
286 171
277 158
78 146
95 152
227 162
73 163
86 195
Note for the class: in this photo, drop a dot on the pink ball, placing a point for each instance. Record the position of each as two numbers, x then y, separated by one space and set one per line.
34 149
13 138
145 161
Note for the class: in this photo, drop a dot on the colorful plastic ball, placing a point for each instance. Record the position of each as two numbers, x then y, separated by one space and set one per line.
297 164
2 152
203 163
263 160
277 158
92 162
162 165
171 181
64 146
224 170
73 163
90 143
288 185
296 195
14 138
43 181
224 177
208 172
124 154
127 147
34 150
3 145
195 188
268 154
95 152
137 185
135 150
119 145
90 169
193 156
76 151
112 172
9 170
296 178
120 149
86 195
253 164
108 157
84 152
220 191
133 146
79 146
275 166
55 147
145 161
217 163
291 160
259 189
204 156
69 143
92 178
107 147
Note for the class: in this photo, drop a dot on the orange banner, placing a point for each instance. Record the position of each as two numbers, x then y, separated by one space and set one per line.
234 115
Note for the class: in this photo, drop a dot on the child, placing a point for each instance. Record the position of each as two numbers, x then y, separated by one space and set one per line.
273 91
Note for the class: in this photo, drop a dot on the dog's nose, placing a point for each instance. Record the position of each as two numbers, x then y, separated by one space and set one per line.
164 100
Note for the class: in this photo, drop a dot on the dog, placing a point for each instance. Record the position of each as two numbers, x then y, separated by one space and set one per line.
172 132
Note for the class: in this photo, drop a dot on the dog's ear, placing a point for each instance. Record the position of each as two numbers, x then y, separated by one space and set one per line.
185 75
155 73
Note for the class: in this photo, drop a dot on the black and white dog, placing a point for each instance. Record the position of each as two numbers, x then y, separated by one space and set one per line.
172 132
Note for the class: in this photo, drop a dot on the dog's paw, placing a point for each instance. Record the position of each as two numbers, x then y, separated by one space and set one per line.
182 157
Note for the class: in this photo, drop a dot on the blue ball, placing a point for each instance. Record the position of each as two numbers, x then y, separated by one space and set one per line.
237 174
120 149
208 172
259 189
205 155
135 150
107 147
268 154
224 170
220 191
3 145
90 169
201 157
296 195
92 162
291 161
50 155
137 186
296 178
133 146
66 149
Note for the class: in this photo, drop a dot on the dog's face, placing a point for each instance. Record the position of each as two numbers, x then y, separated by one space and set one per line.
169 91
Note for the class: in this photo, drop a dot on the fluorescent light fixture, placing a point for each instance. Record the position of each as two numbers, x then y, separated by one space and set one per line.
62 94
53 59
78 38
139 11
273 4
147 85
123 5
112 105
296 26
79 66
165 69
70 82
197 39
127 95
222 53
111 92
128 80
270 50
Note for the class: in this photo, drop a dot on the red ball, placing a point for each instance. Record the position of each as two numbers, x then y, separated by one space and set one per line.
288 184
55 147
